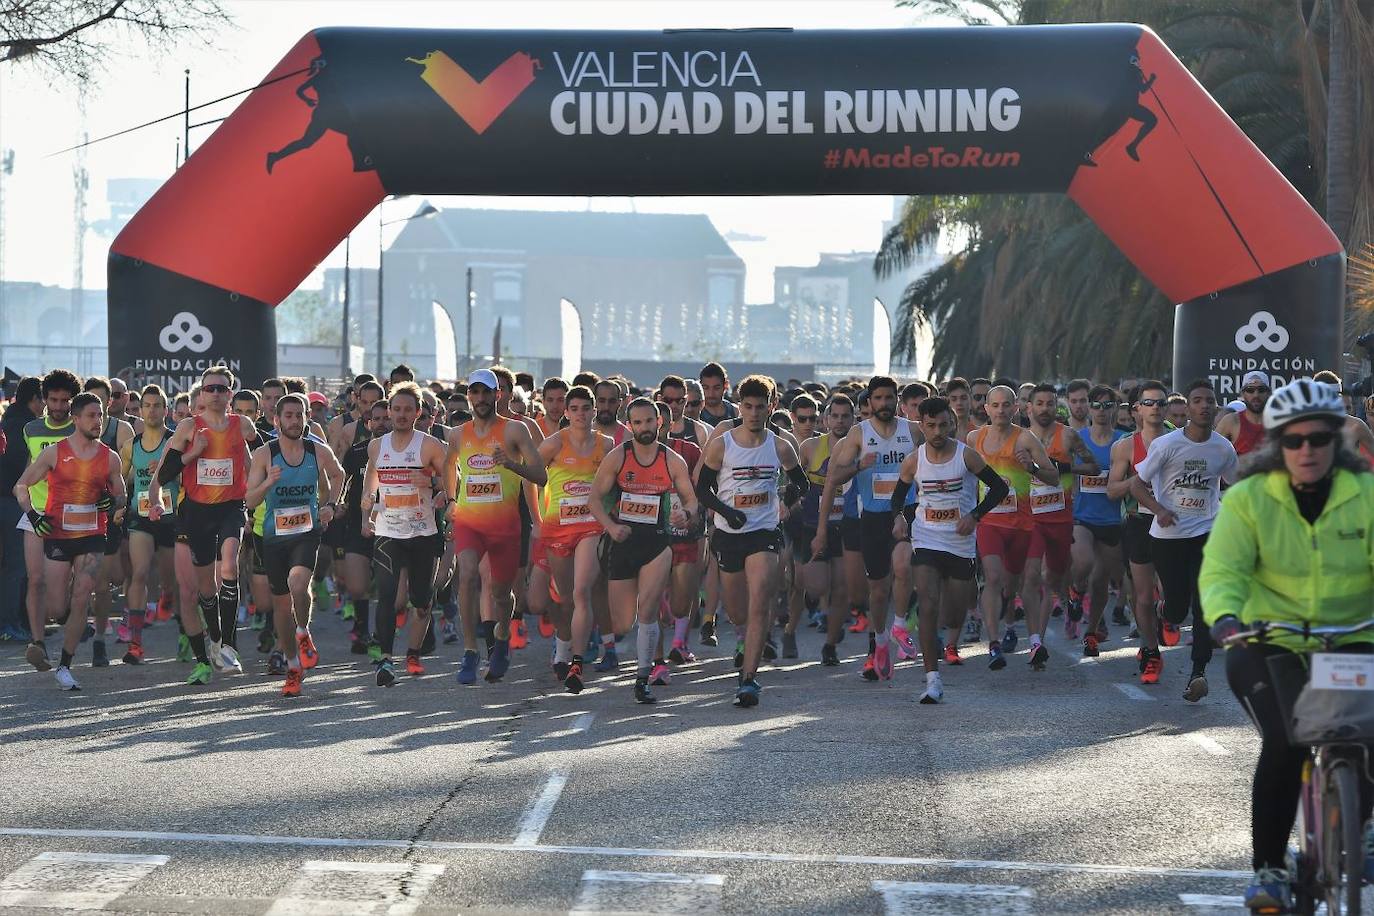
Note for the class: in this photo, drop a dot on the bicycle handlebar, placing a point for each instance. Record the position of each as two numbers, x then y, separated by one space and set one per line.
1261 629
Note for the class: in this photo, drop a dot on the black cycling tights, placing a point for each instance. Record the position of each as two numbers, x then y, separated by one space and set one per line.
419 558
1278 774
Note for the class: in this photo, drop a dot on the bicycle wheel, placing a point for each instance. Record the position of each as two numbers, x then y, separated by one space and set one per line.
1342 843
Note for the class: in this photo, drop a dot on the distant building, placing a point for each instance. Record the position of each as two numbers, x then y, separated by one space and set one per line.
642 282
125 196
42 327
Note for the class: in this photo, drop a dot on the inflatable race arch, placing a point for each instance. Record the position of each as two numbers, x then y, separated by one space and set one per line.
1104 113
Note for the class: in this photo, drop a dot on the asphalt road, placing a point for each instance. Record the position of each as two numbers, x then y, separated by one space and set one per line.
1070 790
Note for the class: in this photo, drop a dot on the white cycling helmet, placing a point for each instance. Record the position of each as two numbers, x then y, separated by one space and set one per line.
1303 399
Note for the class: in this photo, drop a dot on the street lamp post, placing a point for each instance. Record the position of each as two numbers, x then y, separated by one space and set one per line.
426 211
345 370
467 355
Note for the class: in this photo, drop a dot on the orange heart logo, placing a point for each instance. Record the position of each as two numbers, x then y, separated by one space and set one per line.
478 104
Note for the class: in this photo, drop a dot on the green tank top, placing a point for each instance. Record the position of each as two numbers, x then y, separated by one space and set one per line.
143 463
38 435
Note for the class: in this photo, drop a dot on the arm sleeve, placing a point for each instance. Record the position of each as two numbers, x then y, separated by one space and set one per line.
899 493
706 491
797 485
1228 561
171 466
997 491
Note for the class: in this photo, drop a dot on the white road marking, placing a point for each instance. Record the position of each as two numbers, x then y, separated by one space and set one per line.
583 722
1210 745
607 892
1218 901
75 880
540 810
728 855
323 888
1134 692
909 898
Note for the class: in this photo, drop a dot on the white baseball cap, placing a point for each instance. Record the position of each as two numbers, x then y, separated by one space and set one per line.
483 377
1257 377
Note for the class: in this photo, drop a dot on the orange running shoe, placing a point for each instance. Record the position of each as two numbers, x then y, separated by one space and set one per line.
546 626
952 655
134 654
1154 666
164 607
860 624
305 647
519 636
401 619
292 687
1169 634
413 665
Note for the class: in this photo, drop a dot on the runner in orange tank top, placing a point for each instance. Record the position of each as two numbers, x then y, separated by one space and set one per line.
85 484
1245 428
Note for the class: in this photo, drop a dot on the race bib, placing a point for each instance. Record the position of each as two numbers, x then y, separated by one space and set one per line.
573 510
1093 485
80 517
1008 503
639 508
288 520
1193 503
883 485
753 500
944 518
1046 498
214 472
836 512
145 504
483 488
1342 671
400 497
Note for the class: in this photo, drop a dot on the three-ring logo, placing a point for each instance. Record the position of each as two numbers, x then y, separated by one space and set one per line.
185 332
1262 330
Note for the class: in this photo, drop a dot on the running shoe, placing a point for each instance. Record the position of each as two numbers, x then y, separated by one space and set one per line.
184 651
292 687
860 624
708 632
546 629
276 663
1075 608
348 611
681 654
215 652
996 660
882 663
322 596
560 670
498 661
386 672
935 689
200 675
123 634
869 671
659 674
266 640
164 608
1119 616
1151 668
610 661
1271 891
99 657
829 657
973 630
952 655
309 655
519 636
467 671
642 692
230 656
374 651
573 682
1090 649
748 694
1197 688
789 645
36 654
770 650
1040 656
1169 633
413 666
134 654
65 681
357 644
906 647
450 631
401 619
1009 640
739 653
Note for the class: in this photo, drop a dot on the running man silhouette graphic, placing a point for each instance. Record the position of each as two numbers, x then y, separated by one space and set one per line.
1140 113
327 114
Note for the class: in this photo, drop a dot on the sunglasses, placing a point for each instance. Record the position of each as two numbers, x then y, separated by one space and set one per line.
214 389
1263 389
1152 402
806 418
1102 405
1294 441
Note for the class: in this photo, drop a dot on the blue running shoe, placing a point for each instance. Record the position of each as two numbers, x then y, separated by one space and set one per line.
1270 891
498 661
1009 640
467 672
748 694
997 660
609 660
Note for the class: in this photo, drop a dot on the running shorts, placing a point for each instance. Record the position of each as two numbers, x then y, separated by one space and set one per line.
1008 544
66 550
1106 535
1135 540
566 545
849 534
946 564
876 543
624 559
1052 543
163 533
733 549
114 536
281 555
502 550
203 527
685 553
257 564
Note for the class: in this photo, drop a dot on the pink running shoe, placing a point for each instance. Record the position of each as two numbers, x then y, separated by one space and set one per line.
882 663
123 633
906 648
659 674
681 654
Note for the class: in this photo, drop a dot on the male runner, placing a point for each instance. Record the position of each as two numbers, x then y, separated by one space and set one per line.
696 399
209 450
286 475
272 389
714 385
400 485
629 498
1244 429
978 398
487 461
84 485
965 420
1097 519
801 525
744 464
1184 470
116 433
1004 535
673 392
569 531
824 574
942 521
1147 402
1076 397
148 540
685 579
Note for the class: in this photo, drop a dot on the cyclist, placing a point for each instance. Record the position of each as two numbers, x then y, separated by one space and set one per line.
1291 543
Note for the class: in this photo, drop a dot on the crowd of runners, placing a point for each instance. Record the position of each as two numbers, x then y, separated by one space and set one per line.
920 517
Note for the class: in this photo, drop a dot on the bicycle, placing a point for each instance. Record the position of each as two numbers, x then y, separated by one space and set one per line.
1329 860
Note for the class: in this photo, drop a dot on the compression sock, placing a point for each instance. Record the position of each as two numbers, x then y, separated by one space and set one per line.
229 611
209 613
646 641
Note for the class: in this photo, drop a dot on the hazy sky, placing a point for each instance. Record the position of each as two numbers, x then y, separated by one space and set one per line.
38 118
